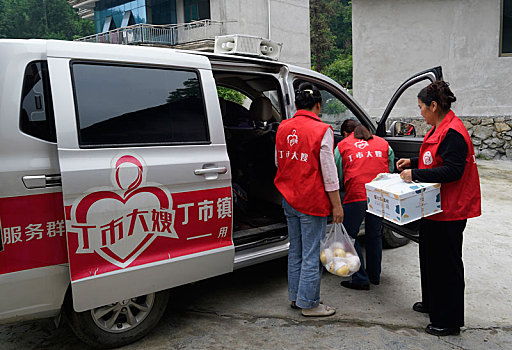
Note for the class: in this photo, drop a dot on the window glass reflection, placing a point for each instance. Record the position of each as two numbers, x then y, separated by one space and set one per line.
120 105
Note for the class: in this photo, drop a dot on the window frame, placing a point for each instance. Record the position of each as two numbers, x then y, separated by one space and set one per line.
48 102
208 140
189 4
259 72
279 88
502 15
340 96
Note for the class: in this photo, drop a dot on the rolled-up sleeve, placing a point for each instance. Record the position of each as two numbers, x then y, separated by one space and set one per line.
327 164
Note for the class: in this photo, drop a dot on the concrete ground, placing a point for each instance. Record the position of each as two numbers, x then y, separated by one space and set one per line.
248 309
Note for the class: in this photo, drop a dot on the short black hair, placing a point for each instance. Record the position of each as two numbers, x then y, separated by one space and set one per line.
306 96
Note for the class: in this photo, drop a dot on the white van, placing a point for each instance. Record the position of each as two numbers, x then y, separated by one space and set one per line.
126 171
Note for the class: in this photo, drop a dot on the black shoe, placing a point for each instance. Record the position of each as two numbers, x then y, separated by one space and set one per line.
418 307
352 285
442 331
374 282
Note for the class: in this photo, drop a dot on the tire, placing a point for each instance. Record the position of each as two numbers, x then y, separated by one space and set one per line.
120 323
390 239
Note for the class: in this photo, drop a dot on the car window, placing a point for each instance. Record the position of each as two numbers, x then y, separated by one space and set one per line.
406 109
36 110
234 107
334 112
273 95
138 106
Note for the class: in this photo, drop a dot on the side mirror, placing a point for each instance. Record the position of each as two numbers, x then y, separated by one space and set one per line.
402 129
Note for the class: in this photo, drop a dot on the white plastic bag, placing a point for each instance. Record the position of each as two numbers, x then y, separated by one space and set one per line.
337 252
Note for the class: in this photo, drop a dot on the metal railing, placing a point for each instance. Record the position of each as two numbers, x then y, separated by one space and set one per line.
159 34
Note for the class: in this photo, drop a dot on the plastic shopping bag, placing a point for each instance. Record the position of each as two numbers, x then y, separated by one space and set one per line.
337 252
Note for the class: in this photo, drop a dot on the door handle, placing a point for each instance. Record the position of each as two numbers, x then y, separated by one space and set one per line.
221 170
41 181
1 238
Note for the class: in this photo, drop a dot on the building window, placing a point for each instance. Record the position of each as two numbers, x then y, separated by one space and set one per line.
196 10
138 106
127 19
36 111
108 25
116 10
162 12
506 28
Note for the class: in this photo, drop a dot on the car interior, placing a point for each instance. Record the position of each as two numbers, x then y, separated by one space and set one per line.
250 125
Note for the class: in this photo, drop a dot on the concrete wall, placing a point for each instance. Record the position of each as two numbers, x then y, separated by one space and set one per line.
289 24
491 137
394 39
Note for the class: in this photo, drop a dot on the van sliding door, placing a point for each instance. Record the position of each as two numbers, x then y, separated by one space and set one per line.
145 172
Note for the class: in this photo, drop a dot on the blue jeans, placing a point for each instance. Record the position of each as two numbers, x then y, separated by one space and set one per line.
354 213
304 266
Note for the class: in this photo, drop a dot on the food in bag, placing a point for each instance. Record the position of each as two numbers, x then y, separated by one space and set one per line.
338 254
342 270
325 256
353 263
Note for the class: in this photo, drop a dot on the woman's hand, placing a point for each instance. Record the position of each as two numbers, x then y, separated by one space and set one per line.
403 163
406 175
337 214
337 209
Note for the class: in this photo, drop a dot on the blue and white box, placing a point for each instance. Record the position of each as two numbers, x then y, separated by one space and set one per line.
390 197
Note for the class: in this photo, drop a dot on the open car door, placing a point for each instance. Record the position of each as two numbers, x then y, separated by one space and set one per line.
406 146
145 172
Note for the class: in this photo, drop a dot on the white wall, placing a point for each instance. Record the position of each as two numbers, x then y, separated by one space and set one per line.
394 39
289 24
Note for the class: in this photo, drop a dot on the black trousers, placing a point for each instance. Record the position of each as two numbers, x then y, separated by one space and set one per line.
442 271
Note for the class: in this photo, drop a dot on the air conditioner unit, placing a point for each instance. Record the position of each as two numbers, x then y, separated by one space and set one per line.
247 45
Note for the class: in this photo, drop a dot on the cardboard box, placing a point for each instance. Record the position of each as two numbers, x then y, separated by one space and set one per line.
390 197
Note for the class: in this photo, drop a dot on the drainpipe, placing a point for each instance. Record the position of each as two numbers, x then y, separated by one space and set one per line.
268 6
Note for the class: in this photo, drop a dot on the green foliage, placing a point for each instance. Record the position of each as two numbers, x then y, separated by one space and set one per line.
44 19
230 95
322 40
340 24
333 106
331 39
340 70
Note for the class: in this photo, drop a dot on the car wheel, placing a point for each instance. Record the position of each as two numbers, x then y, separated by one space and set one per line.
120 323
391 239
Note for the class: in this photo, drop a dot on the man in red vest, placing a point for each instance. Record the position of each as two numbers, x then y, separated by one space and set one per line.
307 179
360 157
446 156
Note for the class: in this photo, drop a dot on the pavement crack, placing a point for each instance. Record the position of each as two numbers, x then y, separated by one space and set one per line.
290 321
450 343
318 322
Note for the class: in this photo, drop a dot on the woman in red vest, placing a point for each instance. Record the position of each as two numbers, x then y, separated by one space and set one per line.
446 156
306 177
360 157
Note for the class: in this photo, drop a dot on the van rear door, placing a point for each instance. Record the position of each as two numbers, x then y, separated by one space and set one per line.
145 171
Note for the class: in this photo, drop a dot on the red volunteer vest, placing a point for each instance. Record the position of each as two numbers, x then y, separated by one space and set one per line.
299 177
459 199
362 161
